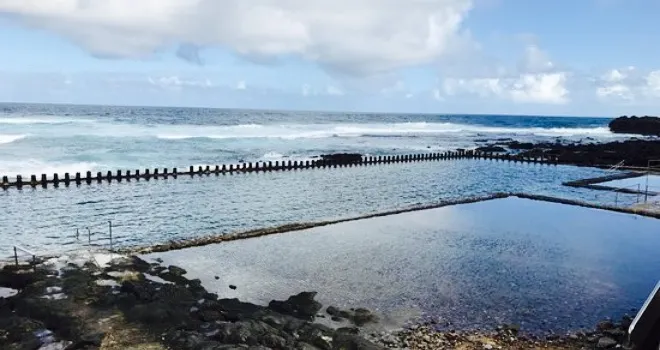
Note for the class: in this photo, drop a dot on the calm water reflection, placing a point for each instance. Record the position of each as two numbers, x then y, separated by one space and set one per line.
543 265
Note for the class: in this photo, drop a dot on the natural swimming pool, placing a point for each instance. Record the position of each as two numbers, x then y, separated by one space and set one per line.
542 265
149 212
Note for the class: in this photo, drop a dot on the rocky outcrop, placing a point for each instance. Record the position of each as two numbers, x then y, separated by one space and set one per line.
608 335
646 125
134 304
631 152
342 158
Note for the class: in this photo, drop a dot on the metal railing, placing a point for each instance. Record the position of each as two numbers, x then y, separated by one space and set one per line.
616 166
94 242
18 250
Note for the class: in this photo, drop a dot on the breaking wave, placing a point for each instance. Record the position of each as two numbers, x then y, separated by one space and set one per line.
4 139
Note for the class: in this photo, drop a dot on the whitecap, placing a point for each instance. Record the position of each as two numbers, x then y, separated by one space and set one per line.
4 139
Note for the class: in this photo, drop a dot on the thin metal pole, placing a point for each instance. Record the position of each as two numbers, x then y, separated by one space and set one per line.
15 256
89 237
648 171
616 199
110 229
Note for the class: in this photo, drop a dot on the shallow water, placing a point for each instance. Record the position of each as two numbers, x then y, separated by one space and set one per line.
148 212
545 266
634 183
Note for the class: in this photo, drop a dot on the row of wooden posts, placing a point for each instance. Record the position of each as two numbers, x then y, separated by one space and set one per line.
147 174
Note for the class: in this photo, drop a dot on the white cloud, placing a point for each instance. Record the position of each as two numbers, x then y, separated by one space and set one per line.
354 37
616 90
653 84
535 80
544 88
174 82
334 91
628 85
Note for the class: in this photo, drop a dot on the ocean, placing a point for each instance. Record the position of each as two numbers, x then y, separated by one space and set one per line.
37 139
49 139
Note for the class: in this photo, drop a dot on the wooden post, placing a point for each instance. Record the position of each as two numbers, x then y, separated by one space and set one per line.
15 256
165 173
156 173
44 180
77 178
67 179
119 177
99 177
175 172
231 168
224 168
109 176
128 175
19 181
243 166
33 180
88 177
137 174
192 171
147 175
217 169
208 169
5 181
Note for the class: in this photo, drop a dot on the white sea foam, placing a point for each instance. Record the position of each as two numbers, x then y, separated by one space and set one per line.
42 120
298 131
4 139
30 167
273 156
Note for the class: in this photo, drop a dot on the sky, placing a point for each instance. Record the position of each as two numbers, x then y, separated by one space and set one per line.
562 57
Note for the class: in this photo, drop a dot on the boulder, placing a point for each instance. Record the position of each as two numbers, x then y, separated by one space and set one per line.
646 125
494 149
342 158
302 306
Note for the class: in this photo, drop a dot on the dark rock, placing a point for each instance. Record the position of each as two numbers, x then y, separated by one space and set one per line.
362 317
176 271
337 319
606 343
235 310
520 145
233 287
19 330
349 330
605 325
636 125
342 158
217 278
632 152
140 290
332 311
495 149
347 341
317 335
302 306
210 315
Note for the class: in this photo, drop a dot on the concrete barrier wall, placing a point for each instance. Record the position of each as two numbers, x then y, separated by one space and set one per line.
163 173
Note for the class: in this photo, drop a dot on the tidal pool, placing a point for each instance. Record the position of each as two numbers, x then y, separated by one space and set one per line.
545 266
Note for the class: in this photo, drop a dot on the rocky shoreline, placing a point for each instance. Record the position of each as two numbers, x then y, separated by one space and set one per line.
132 304
634 152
